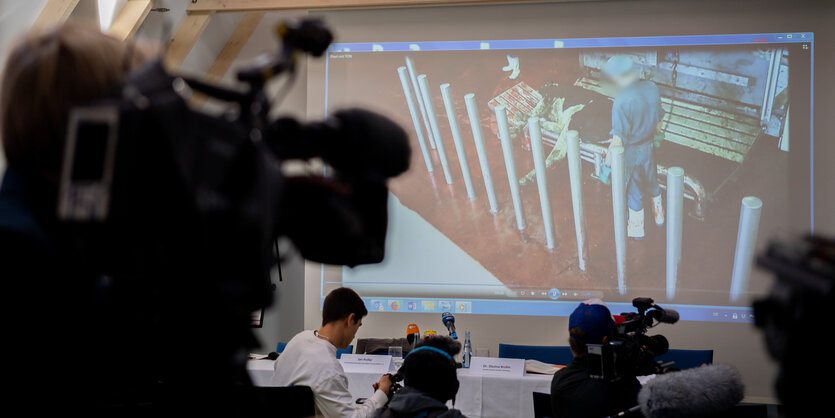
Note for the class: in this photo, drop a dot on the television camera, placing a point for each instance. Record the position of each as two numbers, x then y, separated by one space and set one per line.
174 213
631 352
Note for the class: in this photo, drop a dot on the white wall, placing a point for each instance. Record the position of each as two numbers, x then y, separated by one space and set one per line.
739 345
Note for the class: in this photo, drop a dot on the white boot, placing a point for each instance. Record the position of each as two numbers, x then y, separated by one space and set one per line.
658 210
512 67
635 225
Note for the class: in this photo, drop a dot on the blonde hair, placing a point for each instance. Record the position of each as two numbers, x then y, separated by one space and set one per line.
47 73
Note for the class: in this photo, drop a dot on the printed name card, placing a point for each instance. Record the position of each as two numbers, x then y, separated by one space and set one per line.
489 366
366 363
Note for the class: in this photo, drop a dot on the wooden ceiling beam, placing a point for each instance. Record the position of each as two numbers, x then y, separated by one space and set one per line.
226 6
186 36
54 13
224 60
130 18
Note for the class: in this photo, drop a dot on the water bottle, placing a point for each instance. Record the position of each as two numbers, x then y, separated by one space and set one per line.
467 353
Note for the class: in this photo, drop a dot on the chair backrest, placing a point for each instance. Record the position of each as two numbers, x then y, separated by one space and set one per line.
542 405
288 401
687 359
339 351
553 355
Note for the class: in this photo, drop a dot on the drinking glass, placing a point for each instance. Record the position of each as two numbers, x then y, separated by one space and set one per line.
396 352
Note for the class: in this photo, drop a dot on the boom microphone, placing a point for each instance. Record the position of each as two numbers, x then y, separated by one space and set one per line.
700 392
449 322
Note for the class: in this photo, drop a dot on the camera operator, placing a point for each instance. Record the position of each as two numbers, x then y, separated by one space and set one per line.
48 289
573 393
310 359
430 380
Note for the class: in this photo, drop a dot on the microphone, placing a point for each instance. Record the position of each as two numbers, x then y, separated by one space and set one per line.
412 334
449 322
665 316
700 392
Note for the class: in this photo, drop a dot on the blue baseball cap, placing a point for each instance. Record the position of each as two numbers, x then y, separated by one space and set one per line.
594 318
618 65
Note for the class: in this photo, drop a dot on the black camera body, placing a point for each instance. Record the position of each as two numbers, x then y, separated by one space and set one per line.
175 213
798 307
631 352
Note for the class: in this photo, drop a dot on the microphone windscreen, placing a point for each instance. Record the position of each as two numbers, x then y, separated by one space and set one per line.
368 142
670 316
701 392
666 316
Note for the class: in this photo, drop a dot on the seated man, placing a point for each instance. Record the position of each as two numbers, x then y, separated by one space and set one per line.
573 393
430 379
310 359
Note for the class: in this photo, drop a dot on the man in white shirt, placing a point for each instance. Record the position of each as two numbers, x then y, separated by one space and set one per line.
310 360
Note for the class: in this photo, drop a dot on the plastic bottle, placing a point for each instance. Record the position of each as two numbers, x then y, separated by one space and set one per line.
467 352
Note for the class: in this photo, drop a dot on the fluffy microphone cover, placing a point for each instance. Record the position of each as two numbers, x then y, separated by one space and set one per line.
700 392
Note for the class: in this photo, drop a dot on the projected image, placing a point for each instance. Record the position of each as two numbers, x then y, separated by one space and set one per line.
569 173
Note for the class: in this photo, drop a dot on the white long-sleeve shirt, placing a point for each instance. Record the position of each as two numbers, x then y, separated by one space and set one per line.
311 361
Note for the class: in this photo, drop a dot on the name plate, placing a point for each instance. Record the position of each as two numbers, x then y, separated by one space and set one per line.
366 363
489 366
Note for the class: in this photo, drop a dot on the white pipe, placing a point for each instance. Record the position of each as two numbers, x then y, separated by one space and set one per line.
541 185
675 217
746 244
478 138
619 209
410 65
575 173
407 91
456 139
433 123
510 165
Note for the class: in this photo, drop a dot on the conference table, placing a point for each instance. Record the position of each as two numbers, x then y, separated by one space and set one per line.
478 396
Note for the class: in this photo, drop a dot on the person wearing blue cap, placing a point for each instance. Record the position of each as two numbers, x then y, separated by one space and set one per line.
636 117
573 393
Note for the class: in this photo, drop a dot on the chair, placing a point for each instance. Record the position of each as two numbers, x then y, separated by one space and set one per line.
542 405
553 355
687 359
339 351
289 401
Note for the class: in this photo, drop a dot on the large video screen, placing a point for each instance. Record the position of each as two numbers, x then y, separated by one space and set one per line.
518 203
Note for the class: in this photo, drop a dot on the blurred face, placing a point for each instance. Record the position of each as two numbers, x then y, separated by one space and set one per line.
625 80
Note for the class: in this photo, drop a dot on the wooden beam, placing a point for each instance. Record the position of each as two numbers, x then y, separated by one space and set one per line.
186 36
54 13
130 18
224 6
231 50
234 45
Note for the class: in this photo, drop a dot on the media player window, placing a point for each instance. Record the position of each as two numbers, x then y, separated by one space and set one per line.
514 204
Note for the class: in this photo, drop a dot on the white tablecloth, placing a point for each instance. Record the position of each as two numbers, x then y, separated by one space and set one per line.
479 396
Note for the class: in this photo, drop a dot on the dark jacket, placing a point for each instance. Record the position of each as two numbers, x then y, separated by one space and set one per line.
575 395
412 403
